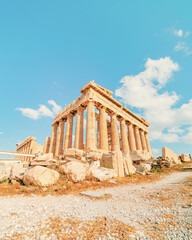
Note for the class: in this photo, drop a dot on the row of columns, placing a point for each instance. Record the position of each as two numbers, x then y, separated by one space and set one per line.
26 149
131 139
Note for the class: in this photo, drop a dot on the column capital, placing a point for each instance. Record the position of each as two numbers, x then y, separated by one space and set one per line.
111 114
101 107
136 127
121 119
81 108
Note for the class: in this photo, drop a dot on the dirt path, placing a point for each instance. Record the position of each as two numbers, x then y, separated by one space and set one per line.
158 210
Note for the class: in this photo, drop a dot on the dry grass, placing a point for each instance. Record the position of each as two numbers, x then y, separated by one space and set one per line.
100 228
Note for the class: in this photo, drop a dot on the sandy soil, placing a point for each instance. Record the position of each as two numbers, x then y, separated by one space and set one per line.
156 210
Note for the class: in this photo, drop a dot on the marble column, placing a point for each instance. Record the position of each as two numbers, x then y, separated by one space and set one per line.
103 136
124 137
147 142
90 128
138 138
98 133
46 146
68 132
53 139
60 135
115 146
79 128
131 137
143 140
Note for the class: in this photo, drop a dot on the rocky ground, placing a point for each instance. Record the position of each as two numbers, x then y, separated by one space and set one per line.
156 210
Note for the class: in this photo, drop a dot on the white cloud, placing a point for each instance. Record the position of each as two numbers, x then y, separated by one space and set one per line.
182 46
188 137
42 111
1 133
56 108
178 33
145 91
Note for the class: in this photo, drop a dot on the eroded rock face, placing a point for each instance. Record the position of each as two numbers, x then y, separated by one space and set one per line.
17 172
40 176
76 170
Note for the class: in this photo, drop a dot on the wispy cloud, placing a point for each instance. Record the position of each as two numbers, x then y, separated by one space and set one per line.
1 133
182 46
178 33
42 111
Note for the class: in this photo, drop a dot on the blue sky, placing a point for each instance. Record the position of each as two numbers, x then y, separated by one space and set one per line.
50 49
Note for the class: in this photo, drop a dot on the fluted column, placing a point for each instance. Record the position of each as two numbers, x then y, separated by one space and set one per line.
68 132
124 137
79 128
147 142
60 135
53 139
90 133
131 137
98 133
115 146
103 136
46 146
143 140
138 138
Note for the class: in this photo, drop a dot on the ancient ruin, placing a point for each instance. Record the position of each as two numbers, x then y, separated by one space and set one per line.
28 146
102 133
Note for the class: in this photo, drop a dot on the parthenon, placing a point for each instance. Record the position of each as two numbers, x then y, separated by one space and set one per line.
102 132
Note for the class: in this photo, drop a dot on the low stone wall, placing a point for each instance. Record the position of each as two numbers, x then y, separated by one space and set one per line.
168 154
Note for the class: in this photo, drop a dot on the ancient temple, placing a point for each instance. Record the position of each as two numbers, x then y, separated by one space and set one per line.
102 127
28 146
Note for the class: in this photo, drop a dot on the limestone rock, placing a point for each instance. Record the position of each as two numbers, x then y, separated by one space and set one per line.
17 172
44 157
94 155
143 168
185 158
40 176
169 156
6 172
128 164
113 160
102 173
140 155
76 170
93 165
74 152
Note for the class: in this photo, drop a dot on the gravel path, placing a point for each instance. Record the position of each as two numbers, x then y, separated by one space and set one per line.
130 204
